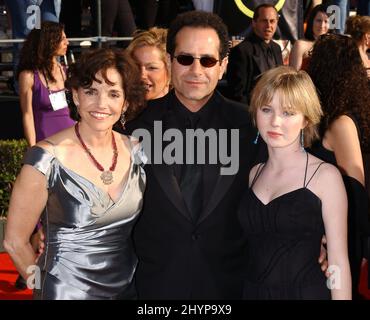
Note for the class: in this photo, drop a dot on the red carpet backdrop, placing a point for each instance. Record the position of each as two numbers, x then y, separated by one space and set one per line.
8 275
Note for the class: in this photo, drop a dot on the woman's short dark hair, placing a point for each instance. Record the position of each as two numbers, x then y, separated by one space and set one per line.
83 73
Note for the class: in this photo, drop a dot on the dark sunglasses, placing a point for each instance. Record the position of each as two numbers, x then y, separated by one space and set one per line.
187 60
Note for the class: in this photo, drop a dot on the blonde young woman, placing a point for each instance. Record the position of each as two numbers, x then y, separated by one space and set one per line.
293 198
148 49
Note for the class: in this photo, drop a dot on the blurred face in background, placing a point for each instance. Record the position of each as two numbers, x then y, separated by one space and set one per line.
154 71
367 40
266 23
63 46
320 24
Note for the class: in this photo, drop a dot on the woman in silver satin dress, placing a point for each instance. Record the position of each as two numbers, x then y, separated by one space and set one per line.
87 184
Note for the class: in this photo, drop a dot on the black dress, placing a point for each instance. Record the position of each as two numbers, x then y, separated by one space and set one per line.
358 215
284 240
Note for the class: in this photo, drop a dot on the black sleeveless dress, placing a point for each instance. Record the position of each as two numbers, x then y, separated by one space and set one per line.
284 240
358 211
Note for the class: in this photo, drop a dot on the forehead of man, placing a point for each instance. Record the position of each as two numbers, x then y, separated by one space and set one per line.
198 41
267 13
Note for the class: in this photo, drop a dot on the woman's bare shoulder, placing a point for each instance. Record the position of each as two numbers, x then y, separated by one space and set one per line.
253 172
62 140
325 173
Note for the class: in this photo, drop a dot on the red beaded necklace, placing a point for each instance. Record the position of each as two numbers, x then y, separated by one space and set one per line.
106 176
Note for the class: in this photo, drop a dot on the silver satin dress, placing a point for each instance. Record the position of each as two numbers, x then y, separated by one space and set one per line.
88 247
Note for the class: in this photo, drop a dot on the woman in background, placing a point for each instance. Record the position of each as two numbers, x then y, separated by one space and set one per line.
148 49
359 29
41 83
317 24
337 71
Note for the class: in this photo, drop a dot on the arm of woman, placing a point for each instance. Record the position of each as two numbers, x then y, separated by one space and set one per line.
334 212
342 139
27 202
296 55
26 82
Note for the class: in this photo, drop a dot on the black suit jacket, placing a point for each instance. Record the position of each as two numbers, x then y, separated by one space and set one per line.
179 259
246 63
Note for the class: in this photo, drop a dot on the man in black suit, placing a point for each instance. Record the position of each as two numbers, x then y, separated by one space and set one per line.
188 238
254 55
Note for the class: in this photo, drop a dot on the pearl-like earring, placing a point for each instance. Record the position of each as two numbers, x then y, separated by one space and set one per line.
123 120
256 140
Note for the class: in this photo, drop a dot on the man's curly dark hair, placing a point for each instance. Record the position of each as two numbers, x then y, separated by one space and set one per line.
340 77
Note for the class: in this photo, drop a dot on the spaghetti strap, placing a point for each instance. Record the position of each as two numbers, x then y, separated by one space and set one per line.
314 173
305 170
258 172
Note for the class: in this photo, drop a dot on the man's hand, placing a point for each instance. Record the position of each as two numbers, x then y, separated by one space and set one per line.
37 242
323 256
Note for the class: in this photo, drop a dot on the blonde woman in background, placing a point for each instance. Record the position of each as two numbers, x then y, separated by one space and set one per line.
148 49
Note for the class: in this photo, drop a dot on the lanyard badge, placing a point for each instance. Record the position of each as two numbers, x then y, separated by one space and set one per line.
58 100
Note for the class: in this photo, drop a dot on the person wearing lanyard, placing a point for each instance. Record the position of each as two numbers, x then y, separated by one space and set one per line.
41 83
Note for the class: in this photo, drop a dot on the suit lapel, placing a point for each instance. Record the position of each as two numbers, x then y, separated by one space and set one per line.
168 182
278 54
164 173
259 59
224 181
223 184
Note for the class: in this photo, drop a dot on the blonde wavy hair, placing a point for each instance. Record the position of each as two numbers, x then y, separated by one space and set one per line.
297 93
154 37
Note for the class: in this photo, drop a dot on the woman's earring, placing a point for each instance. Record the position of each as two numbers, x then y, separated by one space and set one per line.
302 140
256 140
123 120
